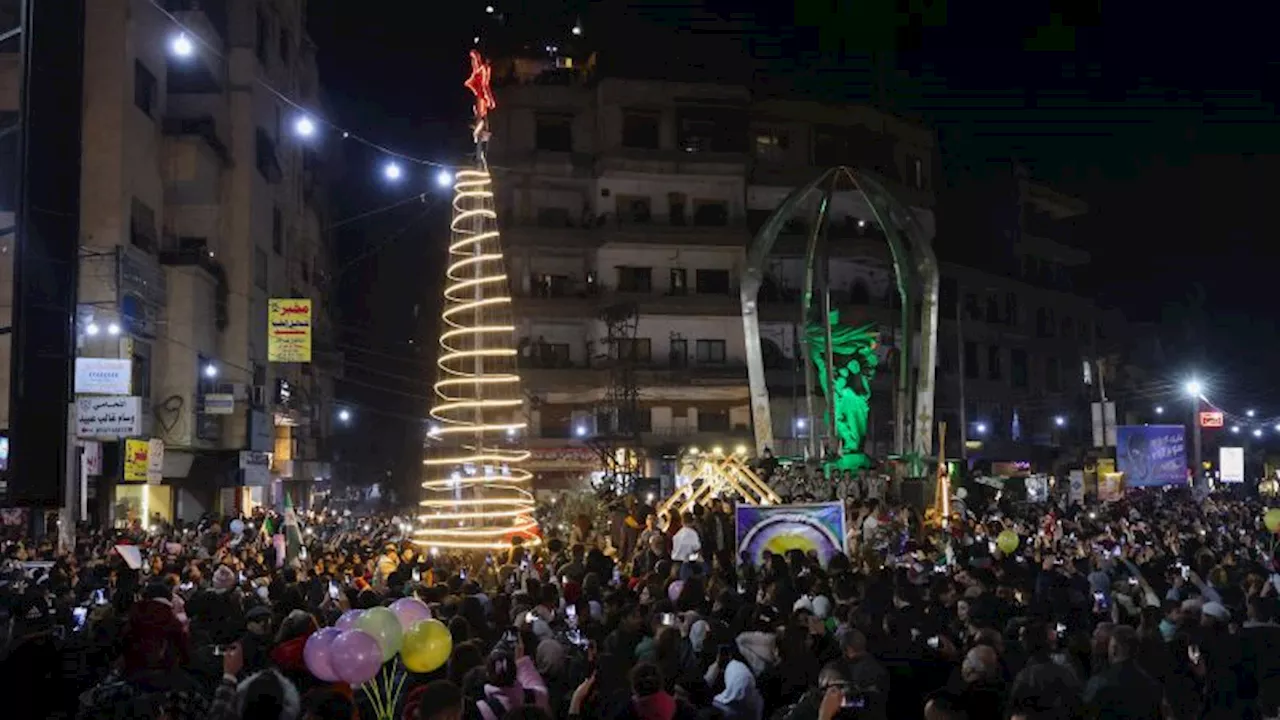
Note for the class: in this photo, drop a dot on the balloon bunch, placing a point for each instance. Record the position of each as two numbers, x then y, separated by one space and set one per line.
363 645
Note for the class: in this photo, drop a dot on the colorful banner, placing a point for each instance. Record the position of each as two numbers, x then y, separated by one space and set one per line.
815 527
1152 455
136 460
289 330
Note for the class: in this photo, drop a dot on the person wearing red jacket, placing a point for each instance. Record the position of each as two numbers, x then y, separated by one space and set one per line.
155 639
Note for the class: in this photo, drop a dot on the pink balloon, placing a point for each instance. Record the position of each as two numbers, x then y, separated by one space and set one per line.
347 621
409 611
355 657
673 590
316 653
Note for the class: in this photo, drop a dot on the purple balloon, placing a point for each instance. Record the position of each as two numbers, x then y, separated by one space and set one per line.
409 611
316 653
347 621
355 657
673 590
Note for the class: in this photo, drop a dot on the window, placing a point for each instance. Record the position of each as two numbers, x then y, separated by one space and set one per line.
948 298
675 208
635 279
1068 329
1011 309
553 217
713 420
142 226
770 144
993 309
277 231
640 130
679 282
553 133
971 309
971 360
704 129
265 155
679 354
710 352
634 210
994 371
639 350
1045 325
1053 374
141 376
639 420
144 88
710 213
286 44
1018 367
260 268
712 282
548 286
830 145
262 36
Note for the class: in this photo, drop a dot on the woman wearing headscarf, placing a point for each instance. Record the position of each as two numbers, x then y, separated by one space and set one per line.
739 700
512 681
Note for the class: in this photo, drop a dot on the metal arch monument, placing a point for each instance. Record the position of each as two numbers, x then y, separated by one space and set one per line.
844 356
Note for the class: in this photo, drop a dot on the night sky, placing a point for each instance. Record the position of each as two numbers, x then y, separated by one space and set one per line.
1165 124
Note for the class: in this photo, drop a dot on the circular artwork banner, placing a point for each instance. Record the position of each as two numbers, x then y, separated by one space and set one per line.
778 529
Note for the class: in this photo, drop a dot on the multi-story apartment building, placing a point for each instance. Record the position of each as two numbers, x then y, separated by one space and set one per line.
1020 340
198 204
637 200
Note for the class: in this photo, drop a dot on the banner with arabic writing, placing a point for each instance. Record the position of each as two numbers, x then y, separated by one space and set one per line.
289 330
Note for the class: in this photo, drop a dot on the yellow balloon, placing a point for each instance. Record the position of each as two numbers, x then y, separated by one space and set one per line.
1272 519
426 646
1007 541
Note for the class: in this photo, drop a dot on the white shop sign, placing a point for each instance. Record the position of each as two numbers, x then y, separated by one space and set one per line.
108 417
103 376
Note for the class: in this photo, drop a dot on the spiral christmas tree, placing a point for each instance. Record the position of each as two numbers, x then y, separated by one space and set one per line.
477 495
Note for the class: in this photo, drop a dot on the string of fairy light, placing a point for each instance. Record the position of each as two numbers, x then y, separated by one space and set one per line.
185 43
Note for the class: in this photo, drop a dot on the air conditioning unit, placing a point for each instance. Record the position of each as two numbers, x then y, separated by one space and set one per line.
260 397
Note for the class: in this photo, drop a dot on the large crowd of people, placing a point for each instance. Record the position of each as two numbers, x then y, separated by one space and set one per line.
1155 606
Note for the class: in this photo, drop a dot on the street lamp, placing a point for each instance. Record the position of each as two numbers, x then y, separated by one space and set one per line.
211 371
344 416
181 46
1195 390
1159 409
1257 432
981 428
1249 413
1060 421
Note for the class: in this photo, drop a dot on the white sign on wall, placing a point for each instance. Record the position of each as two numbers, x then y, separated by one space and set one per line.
1231 464
103 376
108 417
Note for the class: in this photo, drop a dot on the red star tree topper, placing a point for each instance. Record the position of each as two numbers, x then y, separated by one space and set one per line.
478 84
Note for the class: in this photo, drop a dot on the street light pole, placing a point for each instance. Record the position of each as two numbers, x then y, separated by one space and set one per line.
1196 391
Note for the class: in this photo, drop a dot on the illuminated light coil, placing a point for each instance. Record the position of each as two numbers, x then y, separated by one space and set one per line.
485 532
452 290
472 406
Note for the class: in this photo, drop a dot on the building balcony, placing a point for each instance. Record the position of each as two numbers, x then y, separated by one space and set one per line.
705 439
669 162
613 228
568 375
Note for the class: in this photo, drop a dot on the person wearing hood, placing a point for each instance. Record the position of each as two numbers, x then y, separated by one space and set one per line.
512 681
217 614
739 700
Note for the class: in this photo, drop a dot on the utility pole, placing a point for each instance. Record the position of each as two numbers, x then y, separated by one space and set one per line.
46 262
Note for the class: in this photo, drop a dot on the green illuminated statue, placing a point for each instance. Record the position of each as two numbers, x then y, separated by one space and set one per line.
853 351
